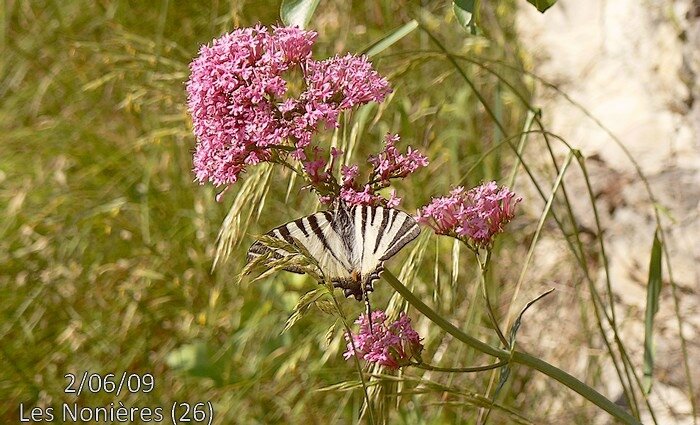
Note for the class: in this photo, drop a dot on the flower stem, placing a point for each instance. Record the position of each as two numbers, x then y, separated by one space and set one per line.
483 266
343 319
426 366
438 320
513 356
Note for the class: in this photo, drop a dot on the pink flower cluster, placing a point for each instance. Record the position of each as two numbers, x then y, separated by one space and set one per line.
478 214
388 164
342 82
391 164
393 345
236 96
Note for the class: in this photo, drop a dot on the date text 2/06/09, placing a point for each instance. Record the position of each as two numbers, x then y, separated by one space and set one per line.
110 383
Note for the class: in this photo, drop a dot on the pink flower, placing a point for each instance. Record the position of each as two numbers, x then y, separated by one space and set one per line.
236 92
339 83
392 345
353 196
295 43
316 169
390 163
348 174
393 201
478 214
231 92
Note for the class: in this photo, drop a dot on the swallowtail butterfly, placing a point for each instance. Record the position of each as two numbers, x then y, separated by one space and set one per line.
349 243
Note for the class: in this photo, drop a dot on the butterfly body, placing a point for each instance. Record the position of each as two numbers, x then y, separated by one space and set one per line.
349 243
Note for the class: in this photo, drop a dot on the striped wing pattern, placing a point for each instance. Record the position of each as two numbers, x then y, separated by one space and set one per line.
349 243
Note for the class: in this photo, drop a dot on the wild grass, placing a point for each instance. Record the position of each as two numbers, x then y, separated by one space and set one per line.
108 248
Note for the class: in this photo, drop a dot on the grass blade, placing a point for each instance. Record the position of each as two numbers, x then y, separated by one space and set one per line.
250 195
455 262
390 39
653 291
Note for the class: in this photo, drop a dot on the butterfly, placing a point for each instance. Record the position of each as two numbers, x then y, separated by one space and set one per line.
349 243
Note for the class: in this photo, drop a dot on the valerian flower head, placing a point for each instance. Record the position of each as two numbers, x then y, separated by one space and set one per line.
339 83
230 96
391 345
476 215
241 109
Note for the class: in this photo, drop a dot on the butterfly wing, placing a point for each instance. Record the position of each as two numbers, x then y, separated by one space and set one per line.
382 232
319 237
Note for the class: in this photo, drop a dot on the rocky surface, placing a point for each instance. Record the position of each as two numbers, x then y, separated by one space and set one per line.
635 66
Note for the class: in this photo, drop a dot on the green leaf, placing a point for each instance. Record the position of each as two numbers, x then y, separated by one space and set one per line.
653 291
464 12
297 12
542 5
394 36
505 370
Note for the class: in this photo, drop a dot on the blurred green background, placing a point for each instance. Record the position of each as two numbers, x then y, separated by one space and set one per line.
107 245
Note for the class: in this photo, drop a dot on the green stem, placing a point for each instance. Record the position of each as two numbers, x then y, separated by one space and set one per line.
426 366
438 320
343 319
512 356
483 267
575 384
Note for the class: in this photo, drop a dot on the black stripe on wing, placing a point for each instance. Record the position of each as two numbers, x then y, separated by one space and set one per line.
288 244
284 232
408 231
382 227
343 223
301 226
316 228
